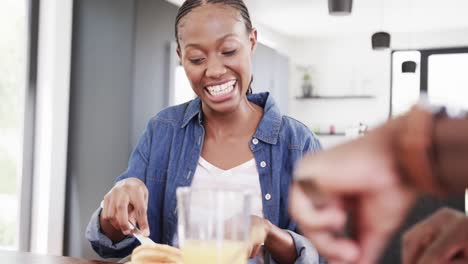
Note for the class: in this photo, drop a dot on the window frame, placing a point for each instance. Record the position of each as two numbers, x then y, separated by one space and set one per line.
423 79
424 61
44 128
28 129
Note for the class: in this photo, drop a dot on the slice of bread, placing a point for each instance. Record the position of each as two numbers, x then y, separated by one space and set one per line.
156 254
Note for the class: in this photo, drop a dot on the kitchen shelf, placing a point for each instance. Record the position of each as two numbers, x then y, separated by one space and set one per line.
319 97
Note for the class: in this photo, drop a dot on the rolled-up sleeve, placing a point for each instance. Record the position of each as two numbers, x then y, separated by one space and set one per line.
103 245
306 252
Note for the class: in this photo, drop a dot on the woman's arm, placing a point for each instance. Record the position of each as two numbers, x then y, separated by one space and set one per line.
281 245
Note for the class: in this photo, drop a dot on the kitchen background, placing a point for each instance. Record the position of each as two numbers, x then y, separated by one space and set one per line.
86 86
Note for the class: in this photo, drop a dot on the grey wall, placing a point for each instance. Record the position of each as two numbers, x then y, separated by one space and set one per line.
118 83
271 73
154 32
100 110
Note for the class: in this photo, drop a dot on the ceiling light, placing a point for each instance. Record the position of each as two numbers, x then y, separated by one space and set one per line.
380 40
408 67
340 7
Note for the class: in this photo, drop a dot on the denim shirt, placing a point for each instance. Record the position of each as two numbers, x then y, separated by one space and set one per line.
167 155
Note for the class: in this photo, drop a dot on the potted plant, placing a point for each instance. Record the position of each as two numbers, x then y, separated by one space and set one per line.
306 85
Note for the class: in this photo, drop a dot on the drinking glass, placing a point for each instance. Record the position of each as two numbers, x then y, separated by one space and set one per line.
213 225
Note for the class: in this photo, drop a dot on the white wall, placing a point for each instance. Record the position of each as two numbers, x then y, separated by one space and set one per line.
273 39
347 65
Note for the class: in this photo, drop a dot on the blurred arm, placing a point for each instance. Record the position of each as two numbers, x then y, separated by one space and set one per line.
451 148
431 151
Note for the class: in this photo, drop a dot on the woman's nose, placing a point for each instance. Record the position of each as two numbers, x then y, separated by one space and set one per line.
215 68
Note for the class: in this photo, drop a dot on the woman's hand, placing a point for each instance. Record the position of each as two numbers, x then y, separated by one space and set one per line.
259 230
126 201
276 241
441 238
154 254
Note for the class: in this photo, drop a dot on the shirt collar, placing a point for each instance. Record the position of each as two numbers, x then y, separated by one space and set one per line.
270 124
192 110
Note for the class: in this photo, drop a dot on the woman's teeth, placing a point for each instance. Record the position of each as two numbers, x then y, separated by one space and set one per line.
221 89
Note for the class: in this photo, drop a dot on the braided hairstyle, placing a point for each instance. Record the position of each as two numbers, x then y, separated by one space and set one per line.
239 5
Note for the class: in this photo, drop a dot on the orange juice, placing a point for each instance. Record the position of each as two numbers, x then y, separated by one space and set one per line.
212 252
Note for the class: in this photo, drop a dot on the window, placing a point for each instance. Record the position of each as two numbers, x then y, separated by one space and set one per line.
13 69
441 73
447 79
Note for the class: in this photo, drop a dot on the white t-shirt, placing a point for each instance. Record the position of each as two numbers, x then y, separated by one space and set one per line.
244 176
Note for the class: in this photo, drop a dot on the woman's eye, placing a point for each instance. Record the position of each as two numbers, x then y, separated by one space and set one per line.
196 61
229 53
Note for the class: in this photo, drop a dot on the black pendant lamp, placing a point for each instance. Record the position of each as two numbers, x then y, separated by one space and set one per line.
408 67
340 7
380 40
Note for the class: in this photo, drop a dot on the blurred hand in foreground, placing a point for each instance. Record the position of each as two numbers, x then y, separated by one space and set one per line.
358 183
441 238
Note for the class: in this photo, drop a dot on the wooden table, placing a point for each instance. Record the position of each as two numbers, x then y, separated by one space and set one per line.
12 257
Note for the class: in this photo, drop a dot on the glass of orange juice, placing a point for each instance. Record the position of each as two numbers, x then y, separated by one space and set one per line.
213 225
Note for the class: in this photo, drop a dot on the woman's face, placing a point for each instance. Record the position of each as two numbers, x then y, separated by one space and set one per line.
215 50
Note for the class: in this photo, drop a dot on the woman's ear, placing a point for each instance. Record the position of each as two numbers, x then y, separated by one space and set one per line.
179 54
253 39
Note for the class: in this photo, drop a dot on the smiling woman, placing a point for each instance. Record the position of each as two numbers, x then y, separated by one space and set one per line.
216 41
226 136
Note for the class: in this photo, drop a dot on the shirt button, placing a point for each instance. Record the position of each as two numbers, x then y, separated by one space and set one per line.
263 164
255 141
268 197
